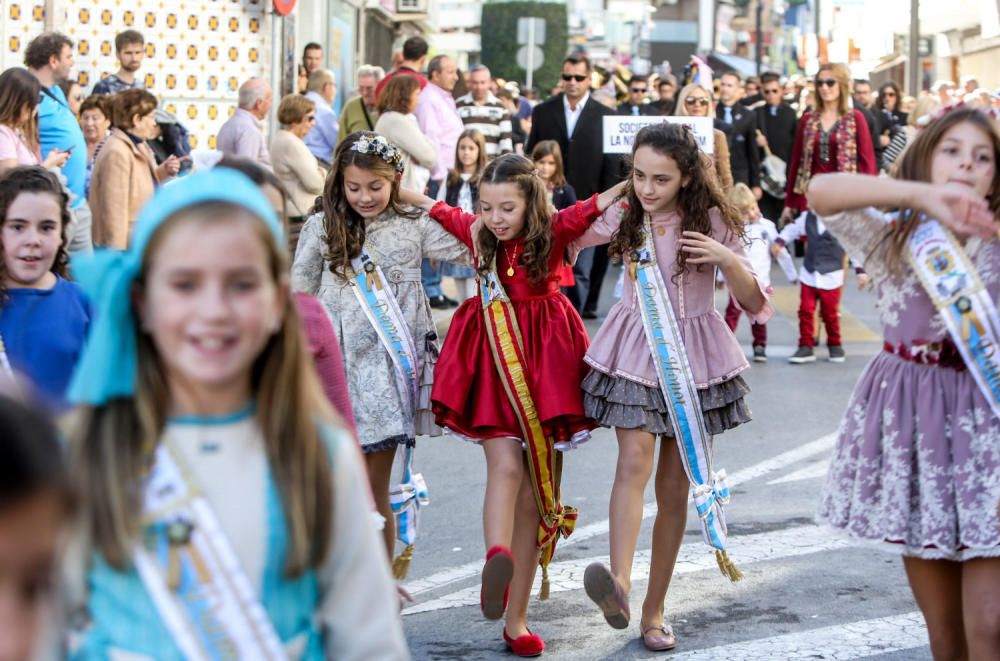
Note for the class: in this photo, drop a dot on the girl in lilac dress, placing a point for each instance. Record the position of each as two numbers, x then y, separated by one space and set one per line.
695 232
917 465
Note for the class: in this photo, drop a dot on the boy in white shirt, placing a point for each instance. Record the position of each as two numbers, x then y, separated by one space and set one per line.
761 234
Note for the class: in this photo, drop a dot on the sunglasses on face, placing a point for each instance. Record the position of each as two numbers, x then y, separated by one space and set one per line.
828 82
695 101
577 77
772 91
639 90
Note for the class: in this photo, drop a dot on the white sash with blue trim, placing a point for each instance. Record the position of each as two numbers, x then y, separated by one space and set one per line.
954 286
193 575
677 383
380 306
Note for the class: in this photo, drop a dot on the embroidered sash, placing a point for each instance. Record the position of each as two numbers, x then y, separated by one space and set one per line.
383 312
544 462
677 383
953 285
193 576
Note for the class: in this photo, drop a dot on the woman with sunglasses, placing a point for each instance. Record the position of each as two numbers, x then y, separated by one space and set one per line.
833 137
295 166
695 101
889 117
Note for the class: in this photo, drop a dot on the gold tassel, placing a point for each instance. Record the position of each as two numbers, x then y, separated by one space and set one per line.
728 567
401 565
633 267
543 594
173 567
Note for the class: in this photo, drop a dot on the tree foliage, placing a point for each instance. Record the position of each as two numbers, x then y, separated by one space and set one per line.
498 31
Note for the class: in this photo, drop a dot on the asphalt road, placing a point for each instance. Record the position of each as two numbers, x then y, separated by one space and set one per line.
808 592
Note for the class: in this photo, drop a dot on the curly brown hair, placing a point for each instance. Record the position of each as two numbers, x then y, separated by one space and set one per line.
915 165
520 171
344 227
695 199
34 179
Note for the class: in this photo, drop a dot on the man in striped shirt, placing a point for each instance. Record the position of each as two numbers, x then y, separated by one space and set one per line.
481 110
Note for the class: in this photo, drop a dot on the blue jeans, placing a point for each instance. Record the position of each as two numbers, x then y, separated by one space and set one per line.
431 279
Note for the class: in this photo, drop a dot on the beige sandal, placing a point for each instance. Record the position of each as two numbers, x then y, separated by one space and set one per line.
659 642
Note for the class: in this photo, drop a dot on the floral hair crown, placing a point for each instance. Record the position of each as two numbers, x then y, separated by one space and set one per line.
924 120
379 146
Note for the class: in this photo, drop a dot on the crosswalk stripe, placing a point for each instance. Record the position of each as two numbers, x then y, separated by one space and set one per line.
812 471
852 640
598 528
746 550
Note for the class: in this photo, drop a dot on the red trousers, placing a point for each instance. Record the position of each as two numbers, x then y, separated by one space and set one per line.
829 311
759 331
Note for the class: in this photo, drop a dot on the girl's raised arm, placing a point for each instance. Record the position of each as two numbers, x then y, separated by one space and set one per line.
577 219
955 205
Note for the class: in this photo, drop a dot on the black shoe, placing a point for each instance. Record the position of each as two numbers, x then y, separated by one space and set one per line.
440 302
837 354
452 303
589 314
803 355
759 354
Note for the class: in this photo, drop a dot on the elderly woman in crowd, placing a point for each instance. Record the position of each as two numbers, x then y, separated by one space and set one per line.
95 121
124 172
833 137
696 101
295 166
19 97
397 123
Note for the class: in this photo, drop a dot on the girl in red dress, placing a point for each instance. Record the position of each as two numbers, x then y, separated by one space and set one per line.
469 397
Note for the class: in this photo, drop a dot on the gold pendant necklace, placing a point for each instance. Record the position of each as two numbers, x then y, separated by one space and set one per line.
510 261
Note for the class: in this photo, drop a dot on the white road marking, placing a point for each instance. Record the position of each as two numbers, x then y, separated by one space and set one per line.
812 471
745 550
598 528
851 640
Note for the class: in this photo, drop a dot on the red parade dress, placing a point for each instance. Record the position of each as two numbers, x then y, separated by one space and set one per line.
468 396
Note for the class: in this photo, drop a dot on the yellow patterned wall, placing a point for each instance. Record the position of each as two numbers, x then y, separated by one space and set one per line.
197 51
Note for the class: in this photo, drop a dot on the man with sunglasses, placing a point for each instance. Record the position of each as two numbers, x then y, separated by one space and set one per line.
739 123
576 122
636 104
776 123
861 94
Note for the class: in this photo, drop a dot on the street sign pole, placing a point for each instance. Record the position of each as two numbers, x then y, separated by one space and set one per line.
913 57
531 54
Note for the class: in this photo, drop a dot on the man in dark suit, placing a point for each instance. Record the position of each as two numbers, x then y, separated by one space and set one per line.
861 93
777 122
739 123
576 122
636 104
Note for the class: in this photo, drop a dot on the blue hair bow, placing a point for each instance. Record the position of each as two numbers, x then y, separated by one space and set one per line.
107 368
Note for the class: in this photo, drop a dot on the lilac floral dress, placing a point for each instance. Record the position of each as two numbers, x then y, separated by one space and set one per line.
917 464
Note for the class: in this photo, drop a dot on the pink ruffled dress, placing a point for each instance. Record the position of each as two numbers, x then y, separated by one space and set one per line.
621 389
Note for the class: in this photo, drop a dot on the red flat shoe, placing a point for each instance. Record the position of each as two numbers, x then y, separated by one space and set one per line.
497 572
527 645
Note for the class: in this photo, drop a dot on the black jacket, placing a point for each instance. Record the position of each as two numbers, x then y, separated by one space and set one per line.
744 155
588 169
779 129
872 122
644 109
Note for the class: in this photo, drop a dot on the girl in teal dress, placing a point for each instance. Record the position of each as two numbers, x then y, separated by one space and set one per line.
212 471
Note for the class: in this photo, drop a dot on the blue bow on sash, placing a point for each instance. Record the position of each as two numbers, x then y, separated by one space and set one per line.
107 368
406 499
